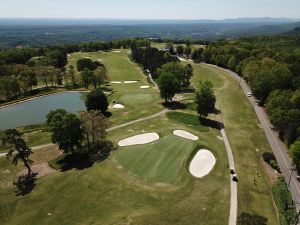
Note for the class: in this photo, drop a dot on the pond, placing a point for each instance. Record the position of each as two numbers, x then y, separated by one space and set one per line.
35 111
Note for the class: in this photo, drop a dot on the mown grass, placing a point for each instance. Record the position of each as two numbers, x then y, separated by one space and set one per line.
34 135
138 102
164 158
247 140
106 193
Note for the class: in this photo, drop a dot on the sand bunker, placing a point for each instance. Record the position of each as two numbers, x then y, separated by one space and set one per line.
130 82
87 57
139 139
118 106
185 134
116 82
202 163
116 51
182 59
145 87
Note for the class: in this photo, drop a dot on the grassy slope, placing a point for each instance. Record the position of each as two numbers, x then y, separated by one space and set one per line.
137 101
247 139
108 194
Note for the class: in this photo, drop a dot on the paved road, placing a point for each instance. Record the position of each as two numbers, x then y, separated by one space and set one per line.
280 150
233 184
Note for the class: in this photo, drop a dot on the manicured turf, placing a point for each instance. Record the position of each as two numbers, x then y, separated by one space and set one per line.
159 161
108 194
135 193
130 99
138 102
247 140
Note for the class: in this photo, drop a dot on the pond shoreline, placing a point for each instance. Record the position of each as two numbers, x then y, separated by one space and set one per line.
39 96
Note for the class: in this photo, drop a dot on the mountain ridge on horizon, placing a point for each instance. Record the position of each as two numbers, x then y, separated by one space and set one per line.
116 21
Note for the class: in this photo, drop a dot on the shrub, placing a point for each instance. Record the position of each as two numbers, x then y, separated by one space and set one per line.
284 202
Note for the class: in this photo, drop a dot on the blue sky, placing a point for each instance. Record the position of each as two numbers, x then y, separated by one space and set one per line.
149 9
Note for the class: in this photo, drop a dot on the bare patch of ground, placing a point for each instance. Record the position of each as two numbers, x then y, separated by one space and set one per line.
41 170
272 175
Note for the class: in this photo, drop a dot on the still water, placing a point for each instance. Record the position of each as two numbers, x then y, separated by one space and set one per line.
35 111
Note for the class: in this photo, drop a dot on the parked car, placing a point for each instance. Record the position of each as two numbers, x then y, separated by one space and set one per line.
249 94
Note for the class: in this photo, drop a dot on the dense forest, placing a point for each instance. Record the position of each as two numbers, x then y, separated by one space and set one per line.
40 34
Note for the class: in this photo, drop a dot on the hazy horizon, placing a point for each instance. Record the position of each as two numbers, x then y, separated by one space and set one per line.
145 10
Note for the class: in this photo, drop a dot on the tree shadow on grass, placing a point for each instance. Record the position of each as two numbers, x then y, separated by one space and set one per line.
107 114
25 184
174 105
211 123
77 161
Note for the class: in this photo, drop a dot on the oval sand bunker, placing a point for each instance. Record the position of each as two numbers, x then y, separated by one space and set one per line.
145 87
139 139
130 81
202 163
185 134
118 106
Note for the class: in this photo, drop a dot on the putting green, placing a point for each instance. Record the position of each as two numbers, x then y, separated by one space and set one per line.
157 162
130 99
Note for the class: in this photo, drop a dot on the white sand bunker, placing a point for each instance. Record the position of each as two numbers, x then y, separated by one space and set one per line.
185 134
139 139
116 82
130 82
118 106
87 57
116 51
202 163
145 87
182 59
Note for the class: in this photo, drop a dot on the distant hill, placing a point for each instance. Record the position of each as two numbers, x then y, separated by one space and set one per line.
42 32
295 31
85 22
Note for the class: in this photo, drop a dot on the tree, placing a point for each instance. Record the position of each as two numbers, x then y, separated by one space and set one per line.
9 88
71 75
205 98
43 73
99 76
267 75
188 51
23 152
87 63
86 77
168 86
66 130
96 100
28 79
180 49
188 73
294 151
94 125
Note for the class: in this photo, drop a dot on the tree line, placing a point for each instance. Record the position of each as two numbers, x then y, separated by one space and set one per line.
271 66
22 69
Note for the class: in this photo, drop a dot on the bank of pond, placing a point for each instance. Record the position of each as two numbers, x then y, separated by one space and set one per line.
34 111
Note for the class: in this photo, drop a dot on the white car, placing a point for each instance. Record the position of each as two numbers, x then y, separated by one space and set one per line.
249 94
